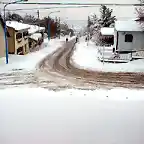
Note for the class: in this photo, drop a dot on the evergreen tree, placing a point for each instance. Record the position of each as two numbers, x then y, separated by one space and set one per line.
89 22
17 17
106 18
13 17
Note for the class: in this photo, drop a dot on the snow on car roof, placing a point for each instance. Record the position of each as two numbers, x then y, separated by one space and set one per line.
107 31
128 25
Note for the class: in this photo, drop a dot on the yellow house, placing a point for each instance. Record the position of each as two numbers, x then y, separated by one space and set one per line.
2 38
18 40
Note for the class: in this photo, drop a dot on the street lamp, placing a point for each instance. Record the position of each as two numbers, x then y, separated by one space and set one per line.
5 26
49 23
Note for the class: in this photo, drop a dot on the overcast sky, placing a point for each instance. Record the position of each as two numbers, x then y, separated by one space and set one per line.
77 13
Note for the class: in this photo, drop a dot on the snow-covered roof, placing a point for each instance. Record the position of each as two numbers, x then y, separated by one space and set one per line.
36 36
35 28
20 26
129 25
17 25
107 31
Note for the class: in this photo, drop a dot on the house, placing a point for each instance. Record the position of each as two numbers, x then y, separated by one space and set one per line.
128 36
2 38
18 40
36 36
128 41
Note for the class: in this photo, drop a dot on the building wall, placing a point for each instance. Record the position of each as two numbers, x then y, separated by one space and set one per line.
135 45
11 41
21 43
14 43
2 41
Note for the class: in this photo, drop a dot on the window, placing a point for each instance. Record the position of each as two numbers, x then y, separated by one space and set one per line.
25 33
18 35
20 51
128 38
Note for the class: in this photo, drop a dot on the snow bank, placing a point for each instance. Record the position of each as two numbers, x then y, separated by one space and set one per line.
35 116
86 57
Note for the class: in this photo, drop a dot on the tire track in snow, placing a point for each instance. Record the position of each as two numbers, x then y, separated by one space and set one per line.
59 66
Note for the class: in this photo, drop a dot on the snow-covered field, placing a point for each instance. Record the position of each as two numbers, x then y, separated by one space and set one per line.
86 57
39 116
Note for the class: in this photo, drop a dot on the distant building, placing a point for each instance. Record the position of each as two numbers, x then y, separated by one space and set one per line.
36 36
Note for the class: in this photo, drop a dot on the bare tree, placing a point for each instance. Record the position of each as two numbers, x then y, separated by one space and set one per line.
140 14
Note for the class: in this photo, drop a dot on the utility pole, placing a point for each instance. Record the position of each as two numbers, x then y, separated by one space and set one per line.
59 28
38 14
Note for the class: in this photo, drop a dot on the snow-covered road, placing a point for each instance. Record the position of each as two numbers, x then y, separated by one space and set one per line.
56 69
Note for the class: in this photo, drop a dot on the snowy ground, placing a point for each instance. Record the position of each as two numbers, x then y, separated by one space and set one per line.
28 62
86 57
39 116
20 72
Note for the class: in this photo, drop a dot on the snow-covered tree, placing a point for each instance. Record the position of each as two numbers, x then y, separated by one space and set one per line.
140 14
89 22
30 19
106 18
13 17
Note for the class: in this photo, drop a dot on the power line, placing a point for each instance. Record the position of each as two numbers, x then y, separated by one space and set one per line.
69 3
22 9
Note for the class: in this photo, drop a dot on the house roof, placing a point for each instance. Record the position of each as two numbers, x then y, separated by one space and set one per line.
3 23
21 26
107 31
129 25
17 25
35 28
